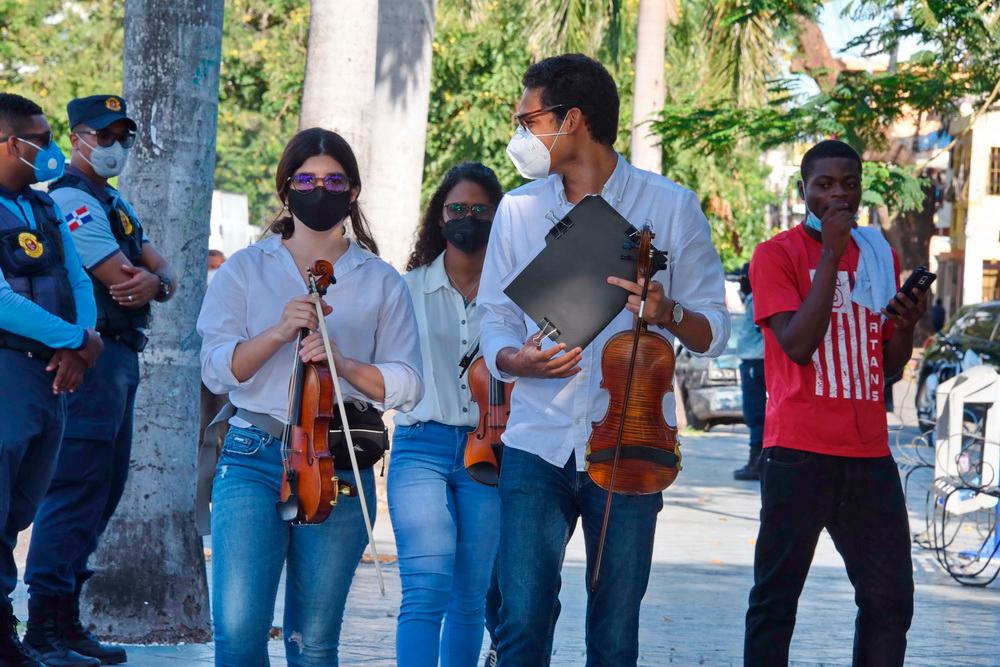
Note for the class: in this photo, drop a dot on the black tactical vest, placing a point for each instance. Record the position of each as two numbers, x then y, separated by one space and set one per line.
33 264
112 318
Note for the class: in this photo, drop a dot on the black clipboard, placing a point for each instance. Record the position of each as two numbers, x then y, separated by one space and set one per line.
564 289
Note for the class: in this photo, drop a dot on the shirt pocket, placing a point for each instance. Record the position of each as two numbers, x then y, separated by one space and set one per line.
244 441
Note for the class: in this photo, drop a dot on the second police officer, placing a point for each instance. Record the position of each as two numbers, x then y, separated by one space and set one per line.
127 273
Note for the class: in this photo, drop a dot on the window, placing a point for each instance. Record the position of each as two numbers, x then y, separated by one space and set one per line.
995 170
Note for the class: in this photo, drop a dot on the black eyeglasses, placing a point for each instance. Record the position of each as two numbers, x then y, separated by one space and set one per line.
106 137
519 118
40 139
331 182
457 211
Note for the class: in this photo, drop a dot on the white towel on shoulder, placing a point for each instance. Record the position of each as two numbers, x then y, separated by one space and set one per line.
876 279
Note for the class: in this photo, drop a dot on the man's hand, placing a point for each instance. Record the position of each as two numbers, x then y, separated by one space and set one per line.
92 349
909 311
69 367
658 305
138 290
838 221
532 362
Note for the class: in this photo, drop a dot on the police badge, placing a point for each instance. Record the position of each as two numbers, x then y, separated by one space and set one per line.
32 247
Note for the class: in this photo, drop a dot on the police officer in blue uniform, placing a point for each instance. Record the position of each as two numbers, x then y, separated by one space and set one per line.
127 273
47 341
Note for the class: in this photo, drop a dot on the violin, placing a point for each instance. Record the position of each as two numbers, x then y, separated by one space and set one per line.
483 447
309 486
632 450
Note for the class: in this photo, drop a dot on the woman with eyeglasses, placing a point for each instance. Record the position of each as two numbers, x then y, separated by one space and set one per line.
446 524
249 322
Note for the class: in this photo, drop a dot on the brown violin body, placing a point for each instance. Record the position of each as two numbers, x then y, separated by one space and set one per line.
309 486
632 450
645 431
483 448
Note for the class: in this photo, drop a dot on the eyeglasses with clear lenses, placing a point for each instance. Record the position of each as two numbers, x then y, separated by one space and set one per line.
457 211
106 137
305 182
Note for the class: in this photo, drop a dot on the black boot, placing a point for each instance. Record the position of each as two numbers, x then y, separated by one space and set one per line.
12 652
78 638
751 471
43 635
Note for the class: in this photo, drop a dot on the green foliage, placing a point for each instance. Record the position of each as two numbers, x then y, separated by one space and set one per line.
960 63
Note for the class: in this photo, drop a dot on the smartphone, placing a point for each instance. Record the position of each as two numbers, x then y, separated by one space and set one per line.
921 279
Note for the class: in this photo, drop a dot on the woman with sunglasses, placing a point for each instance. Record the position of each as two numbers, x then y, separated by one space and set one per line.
446 524
249 322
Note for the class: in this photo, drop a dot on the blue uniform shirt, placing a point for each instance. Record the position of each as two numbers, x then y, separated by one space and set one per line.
26 318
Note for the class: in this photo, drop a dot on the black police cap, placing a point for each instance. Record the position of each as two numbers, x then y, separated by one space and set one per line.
98 111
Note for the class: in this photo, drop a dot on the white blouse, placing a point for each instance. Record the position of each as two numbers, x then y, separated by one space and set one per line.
372 321
448 329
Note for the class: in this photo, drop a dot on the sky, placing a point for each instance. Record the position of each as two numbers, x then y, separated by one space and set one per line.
840 30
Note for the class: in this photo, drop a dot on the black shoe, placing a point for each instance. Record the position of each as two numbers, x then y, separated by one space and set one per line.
491 656
12 652
751 471
79 638
44 637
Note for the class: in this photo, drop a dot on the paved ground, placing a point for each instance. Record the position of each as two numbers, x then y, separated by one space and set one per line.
693 612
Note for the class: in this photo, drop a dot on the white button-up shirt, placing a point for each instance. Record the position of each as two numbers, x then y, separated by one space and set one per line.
448 328
372 321
552 418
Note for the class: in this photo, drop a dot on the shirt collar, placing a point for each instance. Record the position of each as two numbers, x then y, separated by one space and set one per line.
613 191
436 277
353 258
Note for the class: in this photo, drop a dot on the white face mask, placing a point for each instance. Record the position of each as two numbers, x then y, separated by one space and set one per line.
107 161
530 156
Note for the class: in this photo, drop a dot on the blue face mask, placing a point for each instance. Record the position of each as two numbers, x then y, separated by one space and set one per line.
813 222
49 161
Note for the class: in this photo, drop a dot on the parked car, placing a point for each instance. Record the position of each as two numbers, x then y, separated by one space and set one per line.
709 389
973 330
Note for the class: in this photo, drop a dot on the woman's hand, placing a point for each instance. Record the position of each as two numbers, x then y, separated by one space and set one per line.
298 314
312 350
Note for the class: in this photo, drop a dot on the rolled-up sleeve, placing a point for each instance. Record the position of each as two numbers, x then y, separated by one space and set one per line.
697 280
501 321
222 326
397 350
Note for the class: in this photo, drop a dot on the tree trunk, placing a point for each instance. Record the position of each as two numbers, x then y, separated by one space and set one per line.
339 89
815 58
150 585
649 89
399 127
910 236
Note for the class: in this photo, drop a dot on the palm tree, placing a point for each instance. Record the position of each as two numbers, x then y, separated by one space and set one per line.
150 585
649 89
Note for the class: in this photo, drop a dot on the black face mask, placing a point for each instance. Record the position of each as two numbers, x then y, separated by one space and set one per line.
468 234
319 210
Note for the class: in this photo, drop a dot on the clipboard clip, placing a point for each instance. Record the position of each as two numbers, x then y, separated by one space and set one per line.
546 330
559 227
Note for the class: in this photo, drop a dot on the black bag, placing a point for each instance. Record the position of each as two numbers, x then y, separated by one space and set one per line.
368 431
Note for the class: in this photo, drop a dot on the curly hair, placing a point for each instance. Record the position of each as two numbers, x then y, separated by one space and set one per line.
301 147
430 240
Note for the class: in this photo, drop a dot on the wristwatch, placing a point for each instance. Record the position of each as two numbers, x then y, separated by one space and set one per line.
165 289
677 314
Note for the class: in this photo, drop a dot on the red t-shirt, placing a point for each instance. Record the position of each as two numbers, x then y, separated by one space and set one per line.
835 404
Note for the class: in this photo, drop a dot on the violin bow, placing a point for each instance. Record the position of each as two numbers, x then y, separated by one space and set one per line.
350 441
621 426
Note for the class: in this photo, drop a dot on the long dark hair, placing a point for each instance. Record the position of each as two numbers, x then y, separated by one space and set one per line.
301 147
430 240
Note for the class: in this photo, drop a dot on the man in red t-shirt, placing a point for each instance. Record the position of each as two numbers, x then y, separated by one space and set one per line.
826 461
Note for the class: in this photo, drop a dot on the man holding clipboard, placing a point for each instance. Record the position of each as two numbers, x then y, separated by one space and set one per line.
567 124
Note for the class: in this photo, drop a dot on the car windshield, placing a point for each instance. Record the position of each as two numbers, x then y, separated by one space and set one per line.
977 322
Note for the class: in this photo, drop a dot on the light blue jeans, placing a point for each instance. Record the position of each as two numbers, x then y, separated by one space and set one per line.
447 530
250 544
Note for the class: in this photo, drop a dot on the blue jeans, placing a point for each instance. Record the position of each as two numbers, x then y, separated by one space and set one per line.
31 428
447 529
860 503
754 399
539 508
90 474
250 543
